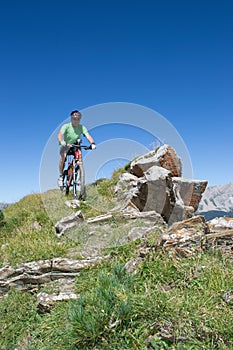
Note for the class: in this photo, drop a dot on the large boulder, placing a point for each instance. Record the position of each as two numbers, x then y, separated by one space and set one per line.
153 190
189 191
154 182
164 156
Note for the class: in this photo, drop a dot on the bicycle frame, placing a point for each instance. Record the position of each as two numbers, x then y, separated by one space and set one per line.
73 161
74 174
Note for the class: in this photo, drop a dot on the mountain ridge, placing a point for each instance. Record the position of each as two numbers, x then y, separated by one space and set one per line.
217 201
3 205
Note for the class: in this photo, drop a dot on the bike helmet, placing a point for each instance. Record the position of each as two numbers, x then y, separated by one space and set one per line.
75 114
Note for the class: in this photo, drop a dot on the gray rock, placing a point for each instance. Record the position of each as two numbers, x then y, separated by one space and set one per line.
157 185
164 156
68 222
45 301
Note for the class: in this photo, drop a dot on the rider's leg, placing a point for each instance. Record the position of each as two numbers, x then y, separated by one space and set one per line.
63 152
62 163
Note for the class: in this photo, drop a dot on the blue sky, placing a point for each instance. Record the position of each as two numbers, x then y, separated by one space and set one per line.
174 57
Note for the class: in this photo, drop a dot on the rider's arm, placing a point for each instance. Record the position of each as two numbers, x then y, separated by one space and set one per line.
90 138
62 131
60 136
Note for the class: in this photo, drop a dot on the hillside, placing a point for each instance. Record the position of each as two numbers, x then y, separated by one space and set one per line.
139 298
105 275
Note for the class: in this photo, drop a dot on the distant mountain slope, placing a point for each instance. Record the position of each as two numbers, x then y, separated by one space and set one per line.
3 205
217 201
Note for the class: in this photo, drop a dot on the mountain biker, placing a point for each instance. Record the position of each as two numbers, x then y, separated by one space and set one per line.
68 134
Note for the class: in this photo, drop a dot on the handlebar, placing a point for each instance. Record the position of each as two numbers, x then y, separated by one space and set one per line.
79 146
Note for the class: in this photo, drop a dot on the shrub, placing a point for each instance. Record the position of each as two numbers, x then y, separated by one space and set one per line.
2 218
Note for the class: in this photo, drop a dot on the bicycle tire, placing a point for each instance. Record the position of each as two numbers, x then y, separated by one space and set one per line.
66 185
79 189
67 190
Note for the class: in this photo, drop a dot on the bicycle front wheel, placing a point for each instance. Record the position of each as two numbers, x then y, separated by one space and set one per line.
79 189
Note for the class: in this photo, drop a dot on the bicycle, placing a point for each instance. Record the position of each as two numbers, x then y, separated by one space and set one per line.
74 175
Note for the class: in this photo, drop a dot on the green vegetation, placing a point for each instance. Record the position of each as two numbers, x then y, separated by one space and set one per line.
2 221
168 303
28 233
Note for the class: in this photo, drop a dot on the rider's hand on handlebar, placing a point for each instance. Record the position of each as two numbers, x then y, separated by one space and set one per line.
63 143
93 146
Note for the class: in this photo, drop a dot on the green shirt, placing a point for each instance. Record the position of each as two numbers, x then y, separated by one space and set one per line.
71 133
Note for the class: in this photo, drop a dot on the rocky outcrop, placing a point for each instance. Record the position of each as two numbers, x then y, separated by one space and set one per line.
194 235
155 183
186 237
31 275
183 238
219 224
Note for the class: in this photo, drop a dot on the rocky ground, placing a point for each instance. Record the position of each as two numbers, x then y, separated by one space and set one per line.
154 200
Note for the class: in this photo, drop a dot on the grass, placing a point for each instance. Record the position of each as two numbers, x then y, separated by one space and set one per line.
21 241
17 318
168 303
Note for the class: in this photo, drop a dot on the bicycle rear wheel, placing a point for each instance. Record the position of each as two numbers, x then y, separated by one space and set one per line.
79 190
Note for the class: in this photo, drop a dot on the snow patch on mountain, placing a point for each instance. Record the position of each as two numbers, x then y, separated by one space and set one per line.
217 198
